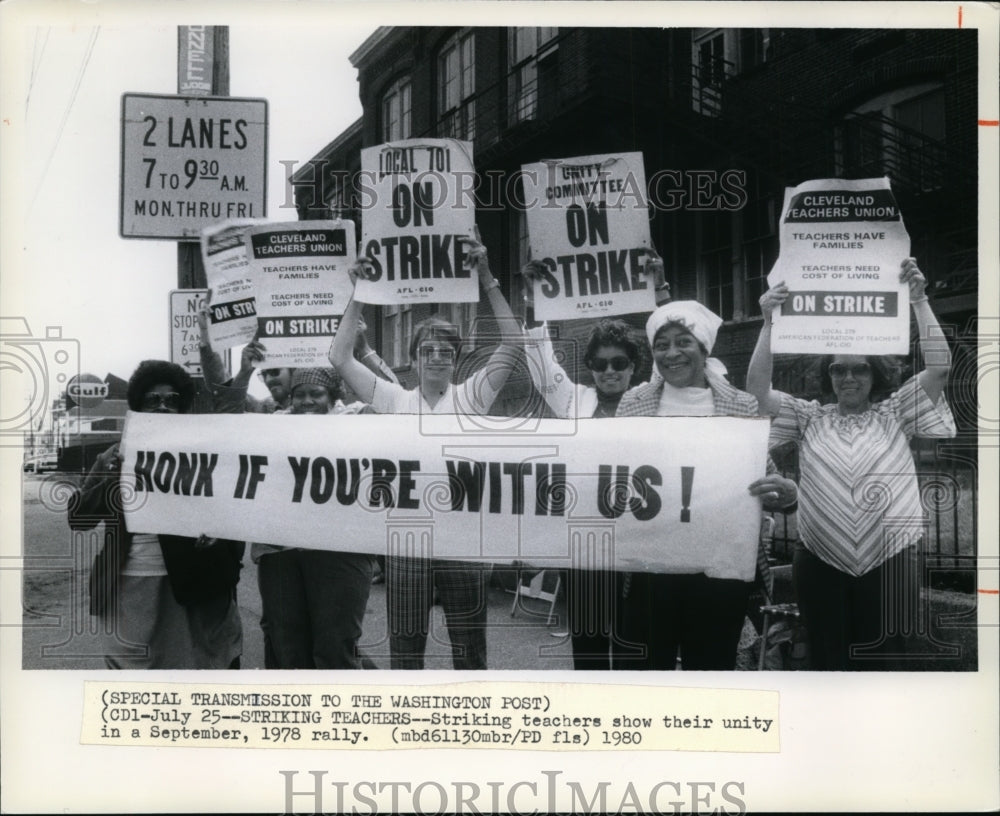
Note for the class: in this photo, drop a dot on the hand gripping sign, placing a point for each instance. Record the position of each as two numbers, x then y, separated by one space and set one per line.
587 220
300 273
422 203
842 243
233 302
666 494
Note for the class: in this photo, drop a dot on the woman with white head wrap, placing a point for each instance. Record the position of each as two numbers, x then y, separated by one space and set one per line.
697 616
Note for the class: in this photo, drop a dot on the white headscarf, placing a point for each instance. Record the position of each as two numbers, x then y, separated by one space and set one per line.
703 324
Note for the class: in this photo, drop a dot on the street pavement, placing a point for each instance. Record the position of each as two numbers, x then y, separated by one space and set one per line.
60 634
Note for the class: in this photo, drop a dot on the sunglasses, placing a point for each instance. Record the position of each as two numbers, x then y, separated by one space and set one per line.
840 370
152 401
444 353
600 364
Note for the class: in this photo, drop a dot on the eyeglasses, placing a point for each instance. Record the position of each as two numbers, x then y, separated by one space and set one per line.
840 370
154 400
600 364
445 354
269 372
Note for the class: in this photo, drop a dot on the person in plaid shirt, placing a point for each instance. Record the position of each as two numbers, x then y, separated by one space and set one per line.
697 617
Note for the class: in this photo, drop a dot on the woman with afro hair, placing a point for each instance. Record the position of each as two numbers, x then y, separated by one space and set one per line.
167 602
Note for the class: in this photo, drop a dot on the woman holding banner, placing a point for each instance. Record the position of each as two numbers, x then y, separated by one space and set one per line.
171 599
410 582
861 521
612 356
313 601
699 617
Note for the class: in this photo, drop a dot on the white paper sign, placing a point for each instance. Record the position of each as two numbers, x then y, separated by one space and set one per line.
842 243
421 201
659 495
587 219
233 302
300 273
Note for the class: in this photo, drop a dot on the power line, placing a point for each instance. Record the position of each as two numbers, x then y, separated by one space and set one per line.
69 108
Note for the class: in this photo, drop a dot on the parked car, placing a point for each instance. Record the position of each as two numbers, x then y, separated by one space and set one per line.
41 463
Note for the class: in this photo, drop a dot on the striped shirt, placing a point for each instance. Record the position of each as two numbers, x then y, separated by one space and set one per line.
859 501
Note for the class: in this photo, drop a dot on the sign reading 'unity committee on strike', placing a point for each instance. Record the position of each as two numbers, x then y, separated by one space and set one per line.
588 224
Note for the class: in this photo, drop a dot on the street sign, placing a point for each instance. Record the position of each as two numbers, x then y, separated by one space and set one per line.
184 333
188 162
195 54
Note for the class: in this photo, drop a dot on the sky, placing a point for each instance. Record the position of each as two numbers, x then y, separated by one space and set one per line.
111 293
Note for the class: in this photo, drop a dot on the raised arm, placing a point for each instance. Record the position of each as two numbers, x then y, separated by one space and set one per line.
933 345
762 362
360 378
370 358
500 364
654 270
212 369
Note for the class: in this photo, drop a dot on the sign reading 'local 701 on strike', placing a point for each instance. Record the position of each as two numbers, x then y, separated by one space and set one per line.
188 162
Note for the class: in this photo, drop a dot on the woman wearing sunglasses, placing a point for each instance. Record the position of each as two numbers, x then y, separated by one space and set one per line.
410 582
168 602
612 357
860 519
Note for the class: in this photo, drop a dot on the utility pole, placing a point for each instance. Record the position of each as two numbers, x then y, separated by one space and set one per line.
202 70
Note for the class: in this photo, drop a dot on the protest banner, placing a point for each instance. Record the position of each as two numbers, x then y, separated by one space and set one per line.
299 269
587 220
421 204
654 491
232 300
842 243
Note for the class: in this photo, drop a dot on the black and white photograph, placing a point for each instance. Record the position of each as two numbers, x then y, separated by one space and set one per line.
757 241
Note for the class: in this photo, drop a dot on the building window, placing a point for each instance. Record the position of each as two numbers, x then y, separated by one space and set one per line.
760 245
337 201
719 53
457 87
528 50
462 315
709 53
716 262
754 48
900 134
396 111
397 332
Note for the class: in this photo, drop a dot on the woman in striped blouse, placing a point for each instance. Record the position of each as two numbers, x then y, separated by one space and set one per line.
860 518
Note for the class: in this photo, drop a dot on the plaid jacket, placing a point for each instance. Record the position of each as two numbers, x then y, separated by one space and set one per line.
644 400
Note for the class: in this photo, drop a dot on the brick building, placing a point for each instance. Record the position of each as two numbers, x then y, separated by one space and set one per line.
772 106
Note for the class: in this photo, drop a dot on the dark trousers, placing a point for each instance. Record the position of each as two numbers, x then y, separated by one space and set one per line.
313 606
461 586
693 616
593 605
854 623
